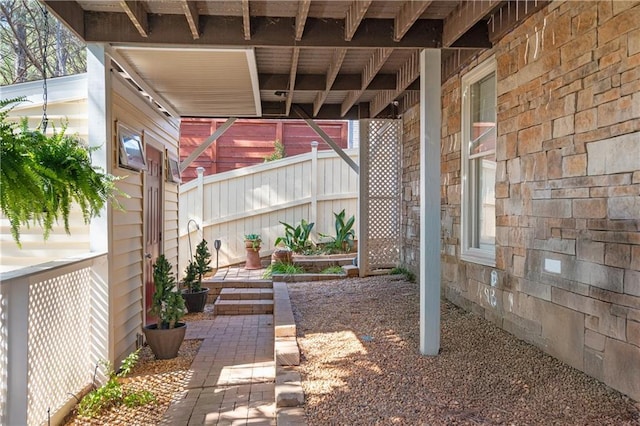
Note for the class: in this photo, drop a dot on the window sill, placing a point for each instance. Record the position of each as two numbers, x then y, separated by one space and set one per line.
479 256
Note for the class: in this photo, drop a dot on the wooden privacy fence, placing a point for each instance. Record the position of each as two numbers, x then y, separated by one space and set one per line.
226 206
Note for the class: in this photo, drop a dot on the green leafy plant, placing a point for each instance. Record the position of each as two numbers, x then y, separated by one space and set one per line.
281 268
345 235
333 270
254 239
296 238
42 176
167 303
278 152
401 270
112 393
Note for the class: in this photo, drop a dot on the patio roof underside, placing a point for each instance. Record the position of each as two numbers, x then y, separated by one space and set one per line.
326 59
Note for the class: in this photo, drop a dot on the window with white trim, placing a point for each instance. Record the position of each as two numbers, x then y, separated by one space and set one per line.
479 164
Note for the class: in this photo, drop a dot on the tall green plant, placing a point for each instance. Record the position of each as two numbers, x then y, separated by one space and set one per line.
167 303
203 260
296 238
345 235
42 176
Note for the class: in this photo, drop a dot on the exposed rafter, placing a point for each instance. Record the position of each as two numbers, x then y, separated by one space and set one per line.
69 12
376 61
332 73
355 14
246 20
510 14
191 13
406 75
465 16
137 13
301 17
292 79
407 16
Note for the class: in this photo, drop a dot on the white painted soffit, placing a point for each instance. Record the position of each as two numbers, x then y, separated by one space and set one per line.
197 82
59 89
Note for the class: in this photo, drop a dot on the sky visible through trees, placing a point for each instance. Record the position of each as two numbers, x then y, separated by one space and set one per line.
33 41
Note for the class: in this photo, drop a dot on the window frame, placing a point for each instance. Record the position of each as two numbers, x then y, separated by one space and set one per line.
469 215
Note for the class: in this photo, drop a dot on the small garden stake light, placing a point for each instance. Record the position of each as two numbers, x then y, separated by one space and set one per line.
216 245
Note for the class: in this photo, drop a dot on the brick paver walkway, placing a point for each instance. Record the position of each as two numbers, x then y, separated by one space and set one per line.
233 374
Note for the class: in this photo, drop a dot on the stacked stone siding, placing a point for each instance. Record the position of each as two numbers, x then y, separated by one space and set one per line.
410 213
567 189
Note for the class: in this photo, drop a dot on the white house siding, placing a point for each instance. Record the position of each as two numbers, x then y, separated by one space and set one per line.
567 189
67 103
127 230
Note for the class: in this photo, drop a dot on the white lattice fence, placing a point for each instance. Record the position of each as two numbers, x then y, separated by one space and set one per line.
52 332
380 186
59 336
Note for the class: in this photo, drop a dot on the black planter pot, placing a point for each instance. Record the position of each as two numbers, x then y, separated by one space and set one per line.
165 343
195 301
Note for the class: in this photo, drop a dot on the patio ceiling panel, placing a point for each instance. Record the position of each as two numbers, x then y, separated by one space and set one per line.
332 57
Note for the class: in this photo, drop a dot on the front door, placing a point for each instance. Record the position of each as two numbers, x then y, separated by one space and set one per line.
153 224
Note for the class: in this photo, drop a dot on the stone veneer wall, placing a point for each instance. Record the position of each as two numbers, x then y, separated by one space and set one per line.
567 188
410 204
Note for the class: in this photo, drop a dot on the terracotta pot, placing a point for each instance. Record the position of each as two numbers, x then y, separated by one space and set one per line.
253 258
280 255
165 343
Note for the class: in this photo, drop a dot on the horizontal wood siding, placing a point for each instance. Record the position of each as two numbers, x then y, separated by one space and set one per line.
127 229
248 142
257 198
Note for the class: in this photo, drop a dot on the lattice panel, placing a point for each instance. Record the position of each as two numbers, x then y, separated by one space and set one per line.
3 358
383 192
59 342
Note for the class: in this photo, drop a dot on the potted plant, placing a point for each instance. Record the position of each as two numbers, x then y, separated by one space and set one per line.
252 244
167 305
195 296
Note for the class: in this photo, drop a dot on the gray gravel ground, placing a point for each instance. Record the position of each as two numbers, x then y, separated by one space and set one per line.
361 366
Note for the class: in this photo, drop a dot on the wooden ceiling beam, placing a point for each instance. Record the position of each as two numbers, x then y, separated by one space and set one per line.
265 32
407 16
370 70
69 12
467 14
246 20
355 14
328 111
406 75
191 14
332 73
318 82
295 56
301 17
137 13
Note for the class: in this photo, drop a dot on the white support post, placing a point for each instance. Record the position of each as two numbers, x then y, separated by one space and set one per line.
17 345
313 212
363 200
100 134
430 137
199 207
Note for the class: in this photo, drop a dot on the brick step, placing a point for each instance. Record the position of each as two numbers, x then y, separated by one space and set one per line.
242 307
239 283
246 294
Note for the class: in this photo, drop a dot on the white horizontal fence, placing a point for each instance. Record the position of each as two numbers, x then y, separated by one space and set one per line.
226 206
53 329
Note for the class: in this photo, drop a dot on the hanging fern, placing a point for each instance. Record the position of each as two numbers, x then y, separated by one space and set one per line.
42 176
